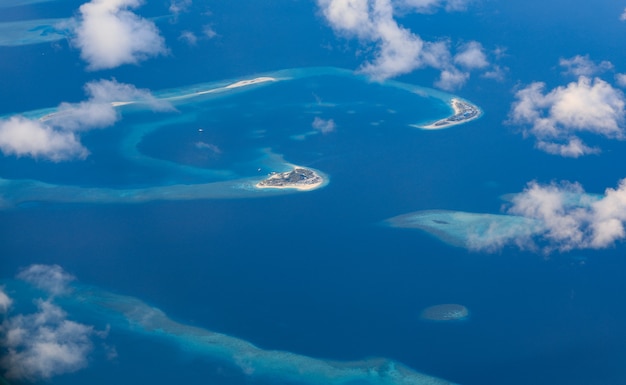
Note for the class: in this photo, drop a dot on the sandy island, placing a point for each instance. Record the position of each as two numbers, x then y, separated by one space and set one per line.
463 113
299 178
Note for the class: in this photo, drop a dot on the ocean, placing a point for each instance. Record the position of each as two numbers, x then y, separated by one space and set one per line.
317 273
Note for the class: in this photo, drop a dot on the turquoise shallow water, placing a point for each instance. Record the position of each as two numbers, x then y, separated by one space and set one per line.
218 141
318 274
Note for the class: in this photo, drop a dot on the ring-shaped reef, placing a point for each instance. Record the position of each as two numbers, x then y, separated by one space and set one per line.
223 139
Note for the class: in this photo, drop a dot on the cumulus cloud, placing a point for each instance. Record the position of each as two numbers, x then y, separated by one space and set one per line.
472 55
571 218
584 66
20 136
43 344
109 34
51 278
323 126
451 79
398 50
54 137
555 118
547 218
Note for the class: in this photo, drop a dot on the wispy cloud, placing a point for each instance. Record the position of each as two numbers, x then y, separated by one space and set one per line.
621 80
55 137
623 15
556 117
109 34
179 6
399 50
429 6
5 301
51 278
188 37
324 126
583 66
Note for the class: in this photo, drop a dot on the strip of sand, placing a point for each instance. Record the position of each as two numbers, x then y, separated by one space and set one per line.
463 113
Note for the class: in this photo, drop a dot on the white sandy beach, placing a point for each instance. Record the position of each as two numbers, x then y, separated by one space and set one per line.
457 110
296 186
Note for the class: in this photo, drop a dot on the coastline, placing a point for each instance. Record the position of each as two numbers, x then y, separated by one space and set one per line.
463 112
299 178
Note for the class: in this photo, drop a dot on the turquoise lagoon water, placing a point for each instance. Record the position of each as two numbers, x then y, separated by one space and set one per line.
317 275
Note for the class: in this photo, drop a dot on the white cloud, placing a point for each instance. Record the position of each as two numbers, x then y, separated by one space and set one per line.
584 66
556 117
5 301
20 136
571 218
189 37
109 34
54 137
324 126
572 148
451 79
399 50
428 6
51 278
623 15
496 73
621 80
472 56
209 32
43 344
178 6
98 110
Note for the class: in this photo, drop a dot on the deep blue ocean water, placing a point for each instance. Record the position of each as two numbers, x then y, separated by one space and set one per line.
316 273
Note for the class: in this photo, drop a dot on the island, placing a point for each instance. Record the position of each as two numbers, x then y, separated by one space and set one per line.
299 178
463 113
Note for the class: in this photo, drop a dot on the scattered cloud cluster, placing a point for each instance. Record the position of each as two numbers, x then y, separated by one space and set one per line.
179 6
323 126
55 137
398 50
109 34
583 66
557 117
572 219
45 343
192 38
